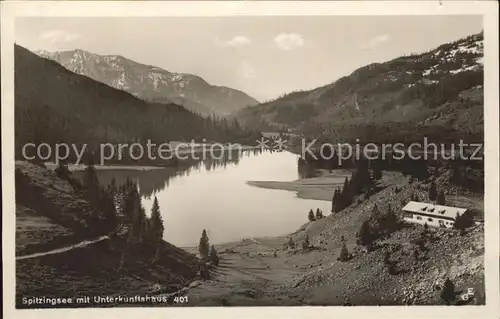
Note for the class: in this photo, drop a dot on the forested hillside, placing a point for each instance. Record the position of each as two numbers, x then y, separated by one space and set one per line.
390 101
54 105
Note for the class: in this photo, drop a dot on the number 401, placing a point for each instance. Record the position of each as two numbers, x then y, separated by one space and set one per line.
181 299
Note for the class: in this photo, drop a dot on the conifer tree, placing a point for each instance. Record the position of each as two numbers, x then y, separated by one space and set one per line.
91 183
62 171
112 188
334 198
413 198
433 191
107 206
291 243
441 199
377 173
462 222
204 245
365 236
306 242
344 253
157 227
319 214
135 213
426 228
391 220
448 292
346 183
213 256
311 216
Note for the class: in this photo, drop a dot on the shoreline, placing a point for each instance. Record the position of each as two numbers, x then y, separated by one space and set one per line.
315 188
81 167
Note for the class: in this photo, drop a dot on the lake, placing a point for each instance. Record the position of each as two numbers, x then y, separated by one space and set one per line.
214 195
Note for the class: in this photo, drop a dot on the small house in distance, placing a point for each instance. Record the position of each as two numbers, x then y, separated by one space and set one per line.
433 215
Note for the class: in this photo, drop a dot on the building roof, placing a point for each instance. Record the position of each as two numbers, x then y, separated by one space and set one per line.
435 210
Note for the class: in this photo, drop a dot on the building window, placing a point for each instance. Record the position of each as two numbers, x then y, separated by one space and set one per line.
429 219
407 215
419 218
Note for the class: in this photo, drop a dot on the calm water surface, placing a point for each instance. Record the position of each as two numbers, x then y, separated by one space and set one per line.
216 197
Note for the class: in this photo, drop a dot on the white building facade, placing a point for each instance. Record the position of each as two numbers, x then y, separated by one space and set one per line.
430 214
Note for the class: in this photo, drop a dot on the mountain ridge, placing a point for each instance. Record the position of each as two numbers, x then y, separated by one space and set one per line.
52 102
443 86
152 83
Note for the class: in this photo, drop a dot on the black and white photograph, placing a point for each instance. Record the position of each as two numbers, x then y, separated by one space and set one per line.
240 159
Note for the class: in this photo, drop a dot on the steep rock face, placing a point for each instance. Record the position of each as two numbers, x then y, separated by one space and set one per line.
441 87
153 83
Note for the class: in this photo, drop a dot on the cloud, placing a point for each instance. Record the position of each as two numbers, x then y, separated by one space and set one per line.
236 41
58 36
376 41
289 41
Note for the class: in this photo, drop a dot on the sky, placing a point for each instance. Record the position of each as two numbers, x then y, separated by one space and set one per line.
264 56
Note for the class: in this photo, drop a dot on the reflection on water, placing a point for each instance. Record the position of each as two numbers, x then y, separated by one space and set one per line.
214 195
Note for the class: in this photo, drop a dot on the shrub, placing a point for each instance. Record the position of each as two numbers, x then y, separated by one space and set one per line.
448 292
311 216
306 244
344 253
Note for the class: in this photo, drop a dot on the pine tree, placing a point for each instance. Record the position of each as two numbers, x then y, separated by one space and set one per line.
334 198
433 191
213 256
291 243
441 199
448 292
62 171
204 245
112 188
157 227
135 213
365 235
346 183
91 183
311 216
462 222
142 224
108 209
319 214
391 221
377 173
306 242
344 253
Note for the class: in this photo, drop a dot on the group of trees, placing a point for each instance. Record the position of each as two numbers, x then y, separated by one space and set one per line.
362 180
206 251
378 225
75 109
462 222
306 243
112 202
312 217
435 195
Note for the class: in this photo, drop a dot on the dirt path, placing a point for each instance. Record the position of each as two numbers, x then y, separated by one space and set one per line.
120 231
64 249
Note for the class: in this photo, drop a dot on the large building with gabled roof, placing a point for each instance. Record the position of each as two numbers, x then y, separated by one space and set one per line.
430 214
